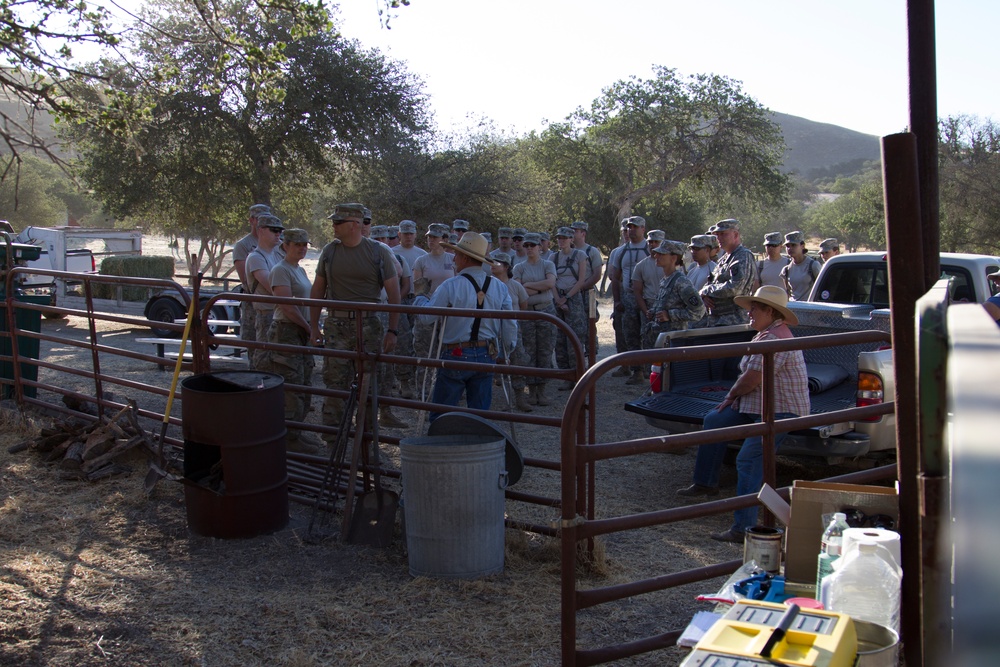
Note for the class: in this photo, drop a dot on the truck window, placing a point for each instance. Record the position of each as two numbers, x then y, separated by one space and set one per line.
857 284
962 290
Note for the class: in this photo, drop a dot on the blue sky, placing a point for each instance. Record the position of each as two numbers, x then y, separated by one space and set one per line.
521 62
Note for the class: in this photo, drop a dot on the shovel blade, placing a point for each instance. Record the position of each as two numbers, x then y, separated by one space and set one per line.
373 519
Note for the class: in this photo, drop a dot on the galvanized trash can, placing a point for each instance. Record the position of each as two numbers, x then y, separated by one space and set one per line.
453 502
235 474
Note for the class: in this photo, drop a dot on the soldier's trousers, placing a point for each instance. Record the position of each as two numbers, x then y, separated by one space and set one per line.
576 318
296 368
631 323
248 326
262 324
341 334
539 339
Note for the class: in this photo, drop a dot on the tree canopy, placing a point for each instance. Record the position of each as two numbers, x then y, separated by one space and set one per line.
215 131
697 136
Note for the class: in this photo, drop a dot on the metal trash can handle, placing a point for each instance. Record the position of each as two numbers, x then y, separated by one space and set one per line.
502 481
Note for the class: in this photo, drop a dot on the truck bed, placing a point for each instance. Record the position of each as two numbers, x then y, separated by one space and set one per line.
684 410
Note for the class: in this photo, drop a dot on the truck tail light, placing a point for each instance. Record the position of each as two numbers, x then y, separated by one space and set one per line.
656 378
870 392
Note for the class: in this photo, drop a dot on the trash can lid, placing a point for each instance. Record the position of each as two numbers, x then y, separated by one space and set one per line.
461 423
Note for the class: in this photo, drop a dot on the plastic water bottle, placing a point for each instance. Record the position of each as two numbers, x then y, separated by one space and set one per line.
865 587
831 549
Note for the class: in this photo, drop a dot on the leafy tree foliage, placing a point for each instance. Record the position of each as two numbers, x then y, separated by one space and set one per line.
857 219
213 130
38 39
969 173
485 178
700 137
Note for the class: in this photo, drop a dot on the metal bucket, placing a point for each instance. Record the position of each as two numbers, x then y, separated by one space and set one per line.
878 646
763 545
235 477
453 503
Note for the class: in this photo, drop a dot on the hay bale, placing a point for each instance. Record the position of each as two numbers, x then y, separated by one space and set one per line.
138 266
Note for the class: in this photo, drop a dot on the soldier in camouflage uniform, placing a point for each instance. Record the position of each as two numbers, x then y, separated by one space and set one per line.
571 277
538 277
734 276
290 326
503 271
242 250
258 268
677 302
634 251
351 268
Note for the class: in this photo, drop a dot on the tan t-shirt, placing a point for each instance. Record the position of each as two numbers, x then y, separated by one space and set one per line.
356 274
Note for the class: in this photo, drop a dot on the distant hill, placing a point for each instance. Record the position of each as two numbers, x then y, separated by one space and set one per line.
818 150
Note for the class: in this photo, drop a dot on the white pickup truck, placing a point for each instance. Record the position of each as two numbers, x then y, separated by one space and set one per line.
851 293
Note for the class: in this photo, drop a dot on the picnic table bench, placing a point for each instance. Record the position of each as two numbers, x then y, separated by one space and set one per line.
236 351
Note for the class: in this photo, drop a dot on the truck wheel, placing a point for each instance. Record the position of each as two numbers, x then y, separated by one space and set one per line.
217 313
165 310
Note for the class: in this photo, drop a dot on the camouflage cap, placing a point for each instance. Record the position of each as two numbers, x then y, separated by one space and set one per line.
544 236
501 256
532 237
268 220
257 209
519 231
407 227
829 244
580 224
772 238
655 235
452 238
347 212
505 232
295 236
380 232
367 213
668 247
566 232
712 229
393 231
487 236
636 221
460 224
713 241
700 241
729 224
438 229
792 238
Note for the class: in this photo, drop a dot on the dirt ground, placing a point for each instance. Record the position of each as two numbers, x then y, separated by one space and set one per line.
99 574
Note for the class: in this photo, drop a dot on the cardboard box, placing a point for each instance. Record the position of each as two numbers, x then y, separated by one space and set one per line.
810 501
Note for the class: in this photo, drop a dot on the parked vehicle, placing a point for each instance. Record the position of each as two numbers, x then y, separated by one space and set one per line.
168 307
851 293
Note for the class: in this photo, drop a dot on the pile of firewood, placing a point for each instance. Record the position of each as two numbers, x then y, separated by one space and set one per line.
93 450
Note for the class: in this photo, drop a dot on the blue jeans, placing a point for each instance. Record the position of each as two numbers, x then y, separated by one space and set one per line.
749 462
477 385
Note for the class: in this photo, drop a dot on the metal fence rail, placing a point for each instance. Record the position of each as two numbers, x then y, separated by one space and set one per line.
578 527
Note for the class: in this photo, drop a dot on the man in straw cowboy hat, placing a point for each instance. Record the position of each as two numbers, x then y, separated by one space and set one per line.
771 318
468 339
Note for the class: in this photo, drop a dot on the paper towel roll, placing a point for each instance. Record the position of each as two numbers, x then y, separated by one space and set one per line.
887 538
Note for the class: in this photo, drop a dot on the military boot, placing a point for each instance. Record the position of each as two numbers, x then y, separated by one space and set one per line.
389 420
540 395
521 401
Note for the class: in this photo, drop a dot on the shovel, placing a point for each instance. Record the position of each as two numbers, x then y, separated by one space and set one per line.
375 513
158 469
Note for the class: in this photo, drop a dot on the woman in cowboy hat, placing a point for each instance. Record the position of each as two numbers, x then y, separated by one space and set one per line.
771 318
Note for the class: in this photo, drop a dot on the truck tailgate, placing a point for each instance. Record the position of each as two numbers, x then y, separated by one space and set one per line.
689 404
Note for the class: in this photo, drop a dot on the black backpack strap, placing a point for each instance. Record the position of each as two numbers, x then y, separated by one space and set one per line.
480 300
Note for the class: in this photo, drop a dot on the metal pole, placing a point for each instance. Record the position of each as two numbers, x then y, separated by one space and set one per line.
902 217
